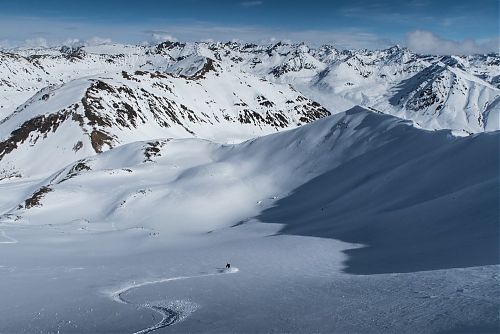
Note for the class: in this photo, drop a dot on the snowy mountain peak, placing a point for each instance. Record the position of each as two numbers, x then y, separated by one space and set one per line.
94 114
436 92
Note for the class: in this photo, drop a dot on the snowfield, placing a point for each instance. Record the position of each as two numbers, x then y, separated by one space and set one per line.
356 222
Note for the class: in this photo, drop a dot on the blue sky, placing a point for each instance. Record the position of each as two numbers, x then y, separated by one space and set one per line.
349 24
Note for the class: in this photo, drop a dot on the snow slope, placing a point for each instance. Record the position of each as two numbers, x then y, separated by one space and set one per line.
357 176
153 211
420 201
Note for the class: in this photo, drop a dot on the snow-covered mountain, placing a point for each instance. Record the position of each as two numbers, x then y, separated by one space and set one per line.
113 109
130 175
74 102
457 92
437 92
95 113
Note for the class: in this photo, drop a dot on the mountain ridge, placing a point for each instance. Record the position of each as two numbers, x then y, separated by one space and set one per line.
96 113
337 79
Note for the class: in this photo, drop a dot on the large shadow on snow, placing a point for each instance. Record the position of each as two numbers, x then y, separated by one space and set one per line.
422 202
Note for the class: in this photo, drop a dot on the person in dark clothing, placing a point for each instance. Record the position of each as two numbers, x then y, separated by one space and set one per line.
228 266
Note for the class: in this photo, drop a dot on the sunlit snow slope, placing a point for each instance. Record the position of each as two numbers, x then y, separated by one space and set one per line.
417 199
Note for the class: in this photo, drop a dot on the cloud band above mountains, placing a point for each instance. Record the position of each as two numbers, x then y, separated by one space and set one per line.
61 32
426 42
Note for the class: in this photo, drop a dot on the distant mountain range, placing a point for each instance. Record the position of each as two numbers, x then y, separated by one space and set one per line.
73 102
436 92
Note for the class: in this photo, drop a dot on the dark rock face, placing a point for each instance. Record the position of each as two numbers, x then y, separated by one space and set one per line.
98 139
35 199
31 130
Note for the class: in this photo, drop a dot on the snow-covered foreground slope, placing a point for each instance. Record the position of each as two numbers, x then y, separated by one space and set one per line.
134 238
420 201
161 172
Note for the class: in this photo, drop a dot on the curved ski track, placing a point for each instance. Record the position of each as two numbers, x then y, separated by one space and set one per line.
169 316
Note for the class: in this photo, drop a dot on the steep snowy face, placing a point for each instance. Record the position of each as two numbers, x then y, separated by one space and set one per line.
453 98
432 93
93 114
484 67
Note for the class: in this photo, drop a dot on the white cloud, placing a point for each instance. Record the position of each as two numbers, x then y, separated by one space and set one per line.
73 42
44 43
6 44
38 42
15 30
96 40
237 40
162 37
426 42
251 3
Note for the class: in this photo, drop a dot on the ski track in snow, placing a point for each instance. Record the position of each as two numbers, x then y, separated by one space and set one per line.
169 316
10 240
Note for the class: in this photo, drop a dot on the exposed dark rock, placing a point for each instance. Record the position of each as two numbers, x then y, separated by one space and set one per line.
75 170
42 124
207 67
35 199
72 52
248 117
168 45
263 101
98 139
78 146
153 150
